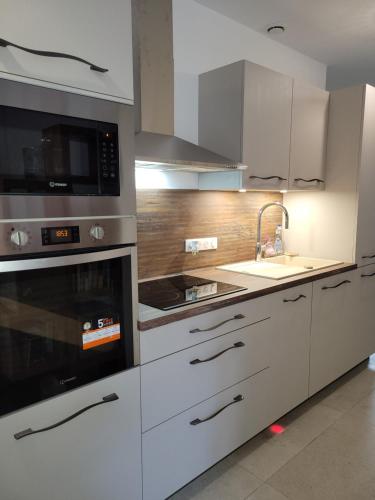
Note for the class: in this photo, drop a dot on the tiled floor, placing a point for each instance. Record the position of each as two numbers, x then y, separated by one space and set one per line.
326 452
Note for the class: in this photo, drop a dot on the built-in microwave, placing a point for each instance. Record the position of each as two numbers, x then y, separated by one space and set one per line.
50 154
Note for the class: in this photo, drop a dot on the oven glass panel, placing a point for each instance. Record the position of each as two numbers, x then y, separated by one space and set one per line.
61 328
44 153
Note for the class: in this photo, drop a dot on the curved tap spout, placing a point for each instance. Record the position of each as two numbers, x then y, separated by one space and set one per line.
258 252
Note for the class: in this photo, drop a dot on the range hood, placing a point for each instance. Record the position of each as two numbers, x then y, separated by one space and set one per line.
156 146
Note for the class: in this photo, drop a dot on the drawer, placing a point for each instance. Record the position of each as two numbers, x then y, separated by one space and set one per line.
174 383
176 451
167 339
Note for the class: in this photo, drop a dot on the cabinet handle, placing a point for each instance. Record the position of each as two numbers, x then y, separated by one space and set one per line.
28 432
367 275
295 300
368 257
336 286
268 178
309 180
46 53
196 330
234 346
236 399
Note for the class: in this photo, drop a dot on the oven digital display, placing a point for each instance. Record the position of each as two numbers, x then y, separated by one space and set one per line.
59 235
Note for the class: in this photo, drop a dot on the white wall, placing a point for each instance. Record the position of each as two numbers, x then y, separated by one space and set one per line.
339 77
204 40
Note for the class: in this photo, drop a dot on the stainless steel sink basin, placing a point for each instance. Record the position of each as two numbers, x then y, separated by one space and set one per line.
282 266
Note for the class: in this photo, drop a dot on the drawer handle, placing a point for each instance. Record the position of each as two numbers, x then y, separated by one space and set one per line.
268 178
295 300
46 53
336 286
299 179
368 257
234 346
237 399
237 316
29 432
367 275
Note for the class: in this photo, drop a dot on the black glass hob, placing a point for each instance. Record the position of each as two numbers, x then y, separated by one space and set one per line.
181 290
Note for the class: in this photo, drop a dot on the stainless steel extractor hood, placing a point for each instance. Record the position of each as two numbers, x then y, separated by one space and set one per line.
156 146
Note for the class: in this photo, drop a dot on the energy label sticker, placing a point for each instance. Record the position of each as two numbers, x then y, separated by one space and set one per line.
101 335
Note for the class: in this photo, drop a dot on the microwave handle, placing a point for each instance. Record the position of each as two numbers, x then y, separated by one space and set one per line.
63 260
46 53
29 432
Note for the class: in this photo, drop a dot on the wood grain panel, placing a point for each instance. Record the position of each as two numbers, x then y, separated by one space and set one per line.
167 217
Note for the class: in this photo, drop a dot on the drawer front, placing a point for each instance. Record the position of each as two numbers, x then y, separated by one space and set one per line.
179 335
174 383
176 451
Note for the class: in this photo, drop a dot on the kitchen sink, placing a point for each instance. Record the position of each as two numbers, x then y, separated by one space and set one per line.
279 267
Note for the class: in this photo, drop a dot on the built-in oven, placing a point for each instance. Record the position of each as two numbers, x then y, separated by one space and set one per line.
68 294
63 154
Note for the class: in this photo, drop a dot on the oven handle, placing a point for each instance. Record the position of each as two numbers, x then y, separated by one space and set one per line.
63 260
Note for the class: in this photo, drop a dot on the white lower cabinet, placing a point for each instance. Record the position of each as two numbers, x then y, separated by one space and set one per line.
290 323
94 456
174 383
365 310
183 447
336 340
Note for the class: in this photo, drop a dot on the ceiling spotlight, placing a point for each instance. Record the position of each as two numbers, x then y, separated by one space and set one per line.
276 30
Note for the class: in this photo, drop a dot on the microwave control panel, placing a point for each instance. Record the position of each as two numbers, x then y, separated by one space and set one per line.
45 236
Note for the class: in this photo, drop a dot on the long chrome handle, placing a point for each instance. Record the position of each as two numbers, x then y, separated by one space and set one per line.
309 180
196 330
236 345
66 260
367 275
268 178
295 300
236 399
46 53
29 432
368 256
336 286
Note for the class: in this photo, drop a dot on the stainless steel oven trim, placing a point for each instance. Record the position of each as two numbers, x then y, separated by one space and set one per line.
83 258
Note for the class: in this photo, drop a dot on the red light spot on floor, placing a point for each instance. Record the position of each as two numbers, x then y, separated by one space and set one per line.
277 429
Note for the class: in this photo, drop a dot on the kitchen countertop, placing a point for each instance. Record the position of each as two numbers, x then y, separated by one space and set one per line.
150 317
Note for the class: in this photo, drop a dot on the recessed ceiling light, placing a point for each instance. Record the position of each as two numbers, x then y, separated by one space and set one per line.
277 29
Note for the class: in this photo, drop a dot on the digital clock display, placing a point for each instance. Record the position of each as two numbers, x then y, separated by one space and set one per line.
58 235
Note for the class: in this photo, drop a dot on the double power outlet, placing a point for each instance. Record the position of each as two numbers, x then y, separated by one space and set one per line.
200 244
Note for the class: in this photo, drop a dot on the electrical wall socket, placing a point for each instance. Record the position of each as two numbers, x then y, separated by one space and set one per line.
200 244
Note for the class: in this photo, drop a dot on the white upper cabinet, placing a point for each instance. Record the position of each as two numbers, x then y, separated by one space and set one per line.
97 32
271 123
308 137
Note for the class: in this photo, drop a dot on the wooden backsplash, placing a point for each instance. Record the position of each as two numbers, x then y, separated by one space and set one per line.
167 217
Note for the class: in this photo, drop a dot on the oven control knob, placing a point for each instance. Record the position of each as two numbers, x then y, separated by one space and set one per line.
97 232
19 238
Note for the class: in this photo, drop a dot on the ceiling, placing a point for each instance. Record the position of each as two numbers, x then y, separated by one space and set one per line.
334 32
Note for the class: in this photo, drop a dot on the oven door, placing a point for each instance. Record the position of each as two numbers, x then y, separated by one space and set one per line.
65 321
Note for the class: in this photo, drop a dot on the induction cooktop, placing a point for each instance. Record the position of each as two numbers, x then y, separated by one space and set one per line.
181 290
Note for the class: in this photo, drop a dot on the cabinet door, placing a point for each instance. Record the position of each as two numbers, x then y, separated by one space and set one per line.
334 332
290 322
95 455
266 128
365 248
308 137
99 32
365 310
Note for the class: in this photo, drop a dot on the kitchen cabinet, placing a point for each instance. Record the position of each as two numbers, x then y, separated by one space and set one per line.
273 124
95 31
95 455
365 310
308 137
337 343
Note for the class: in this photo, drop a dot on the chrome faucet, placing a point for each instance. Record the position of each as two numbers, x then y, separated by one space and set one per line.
258 252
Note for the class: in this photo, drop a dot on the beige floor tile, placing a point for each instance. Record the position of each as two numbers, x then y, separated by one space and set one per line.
225 481
266 453
266 492
337 465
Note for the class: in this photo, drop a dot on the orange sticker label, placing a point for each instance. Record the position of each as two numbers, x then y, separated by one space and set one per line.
100 336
